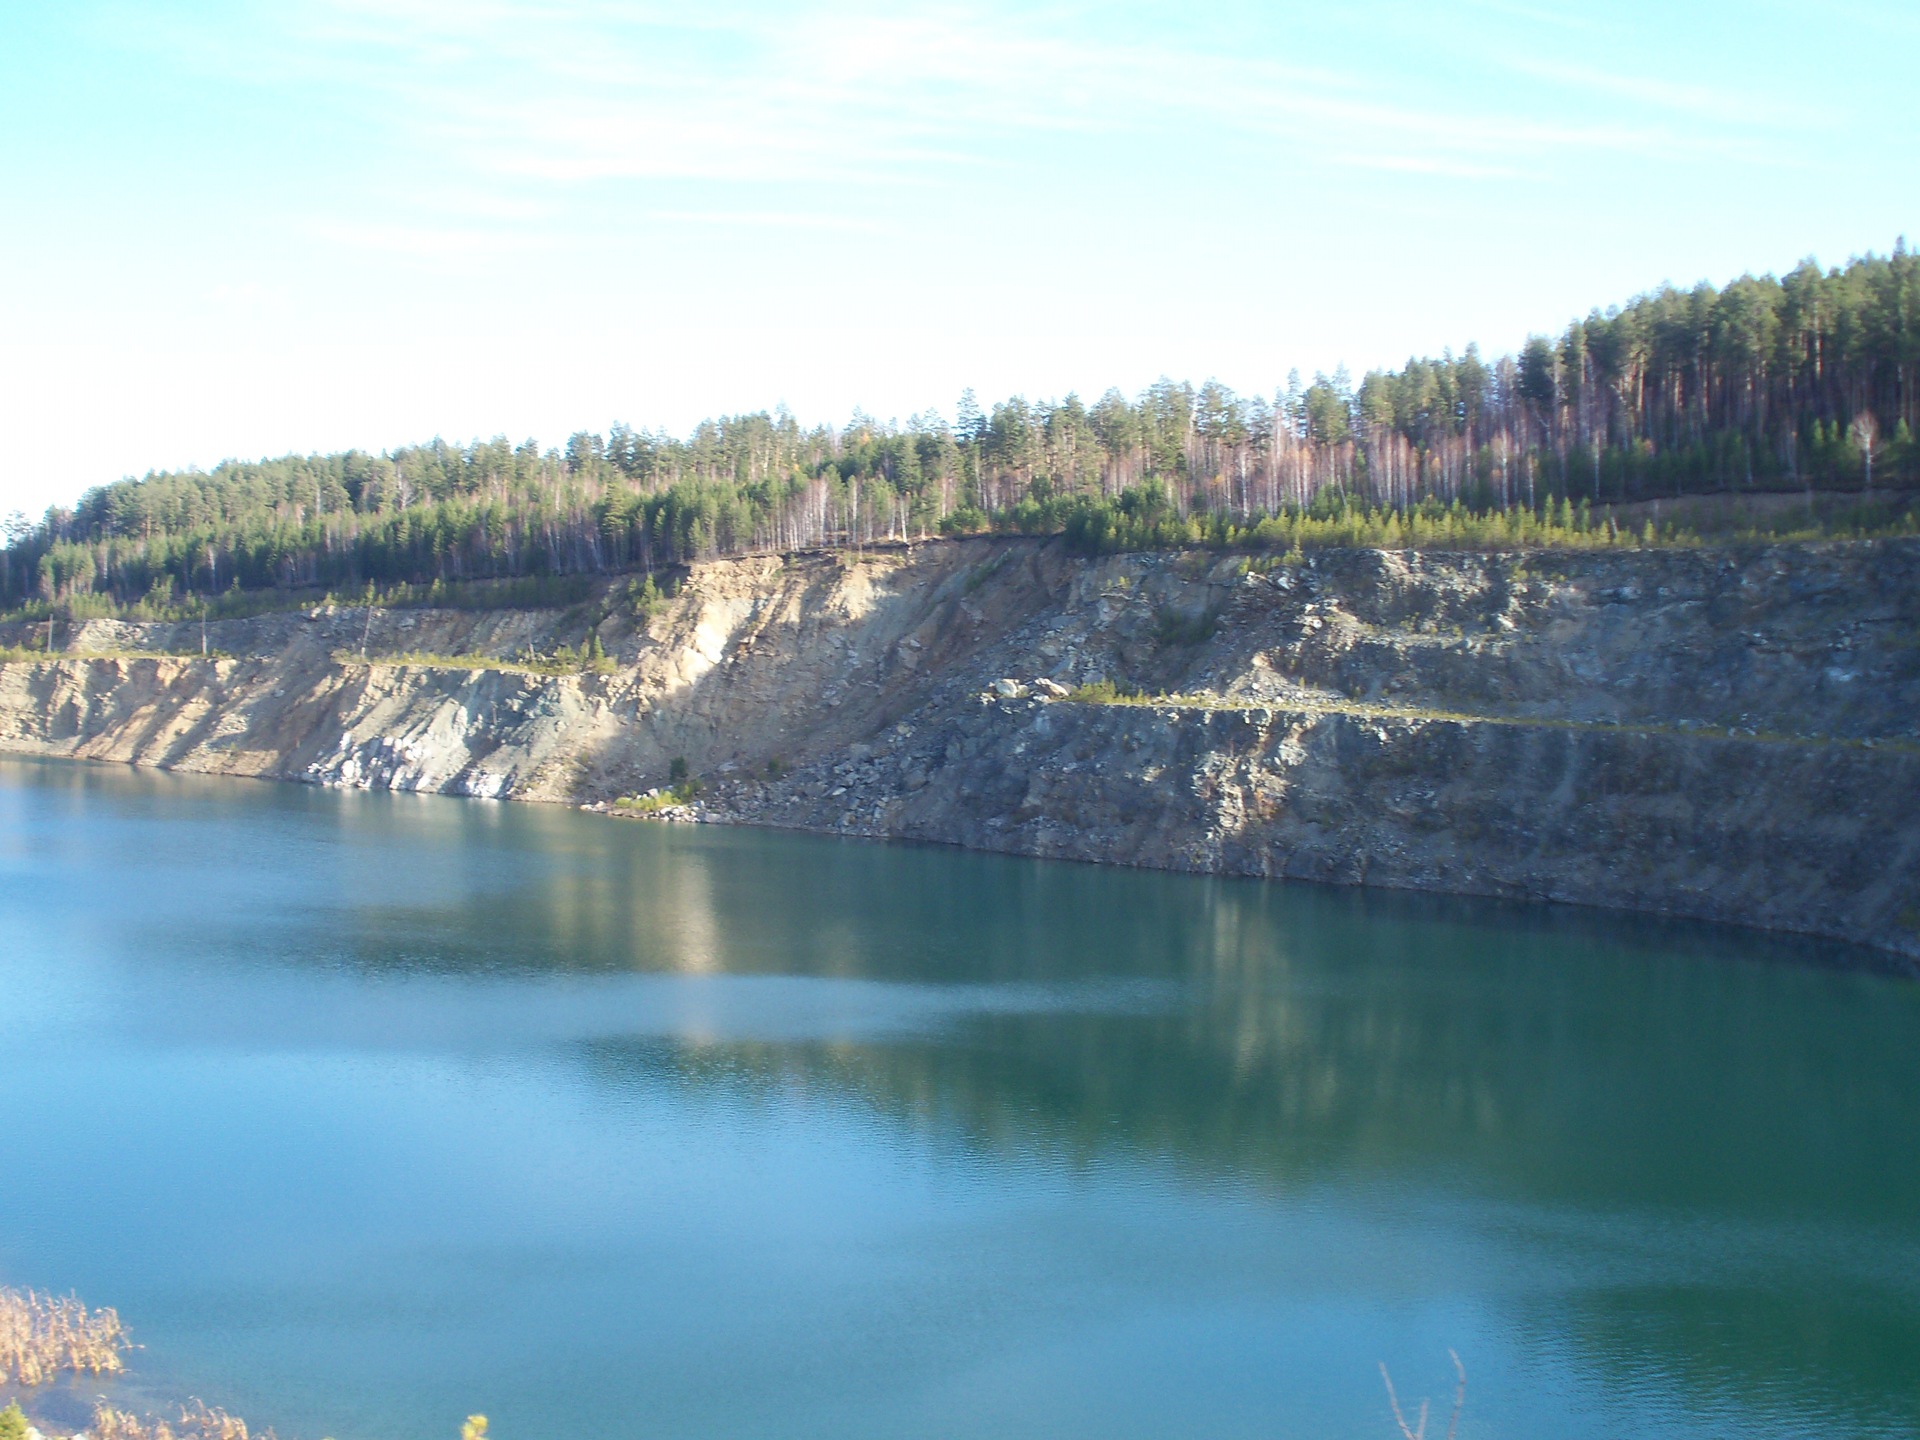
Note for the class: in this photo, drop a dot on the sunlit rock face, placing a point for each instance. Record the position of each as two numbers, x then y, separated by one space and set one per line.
1728 733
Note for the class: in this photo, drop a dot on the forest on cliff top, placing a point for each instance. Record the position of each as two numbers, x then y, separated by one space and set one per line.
1806 383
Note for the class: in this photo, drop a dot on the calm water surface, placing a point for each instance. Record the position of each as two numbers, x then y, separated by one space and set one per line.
368 1111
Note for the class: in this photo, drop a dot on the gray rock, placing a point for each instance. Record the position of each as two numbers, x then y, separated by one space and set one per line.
1731 734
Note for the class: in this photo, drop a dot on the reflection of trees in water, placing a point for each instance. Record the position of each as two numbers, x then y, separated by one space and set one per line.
1764 1359
1727 1142
773 903
1717 1141
1595 1086
1546 1073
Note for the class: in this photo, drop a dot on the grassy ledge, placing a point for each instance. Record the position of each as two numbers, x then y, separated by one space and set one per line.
1106 693
562 662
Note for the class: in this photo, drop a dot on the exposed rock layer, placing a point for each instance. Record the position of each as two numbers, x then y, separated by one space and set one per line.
1729 734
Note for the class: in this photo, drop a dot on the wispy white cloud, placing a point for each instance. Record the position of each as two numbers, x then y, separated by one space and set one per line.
1021 198
425 242
1422 165
1579 21
1772 113
767 220
577 92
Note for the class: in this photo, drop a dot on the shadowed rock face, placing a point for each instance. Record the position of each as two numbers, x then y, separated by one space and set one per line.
1732 734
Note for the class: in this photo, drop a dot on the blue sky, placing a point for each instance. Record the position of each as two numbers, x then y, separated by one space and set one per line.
237 228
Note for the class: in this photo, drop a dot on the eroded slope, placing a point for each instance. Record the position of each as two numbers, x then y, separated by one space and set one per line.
1732 734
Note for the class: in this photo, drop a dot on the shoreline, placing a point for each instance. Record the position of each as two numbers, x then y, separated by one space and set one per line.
1720 736
1809 948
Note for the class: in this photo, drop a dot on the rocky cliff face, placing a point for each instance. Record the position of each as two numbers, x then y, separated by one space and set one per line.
1729 734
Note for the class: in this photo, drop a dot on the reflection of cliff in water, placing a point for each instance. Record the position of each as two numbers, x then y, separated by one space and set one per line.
1552 1133
1507 1069
1706 1130
1711 1134
1641 1146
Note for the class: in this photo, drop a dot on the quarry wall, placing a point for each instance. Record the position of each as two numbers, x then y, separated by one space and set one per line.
1725 733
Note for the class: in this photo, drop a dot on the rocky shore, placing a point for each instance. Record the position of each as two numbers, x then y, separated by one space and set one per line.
1732 734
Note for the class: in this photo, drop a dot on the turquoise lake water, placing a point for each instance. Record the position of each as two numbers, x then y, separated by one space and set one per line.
369 1111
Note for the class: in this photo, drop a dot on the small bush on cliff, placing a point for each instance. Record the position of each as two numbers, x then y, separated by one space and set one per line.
1170 627
646 597
967 520
1104 692
682 793
596 661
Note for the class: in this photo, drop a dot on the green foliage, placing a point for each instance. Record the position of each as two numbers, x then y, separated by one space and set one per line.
1097 526
967 520
537 592
565 660
1102 692
13 1423
1796 385
29 654
983 572
1170 627
643 804
683 791
1105 692
645 598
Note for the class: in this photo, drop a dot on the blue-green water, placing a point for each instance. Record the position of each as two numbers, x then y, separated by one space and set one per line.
369 1111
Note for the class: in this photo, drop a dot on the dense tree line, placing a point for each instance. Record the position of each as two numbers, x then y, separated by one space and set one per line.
1807 382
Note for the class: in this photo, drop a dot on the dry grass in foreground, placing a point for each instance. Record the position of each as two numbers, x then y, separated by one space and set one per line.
197 1422
43 1335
